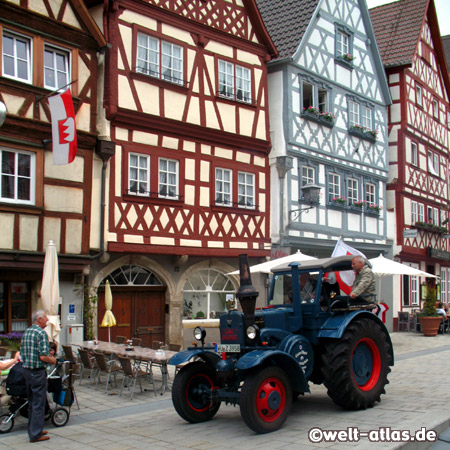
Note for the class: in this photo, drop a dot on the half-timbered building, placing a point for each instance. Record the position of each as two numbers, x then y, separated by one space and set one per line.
327 96
418 189
46 46
188 187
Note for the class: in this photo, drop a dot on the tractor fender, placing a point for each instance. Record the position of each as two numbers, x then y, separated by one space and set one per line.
335 326
208 356
262 358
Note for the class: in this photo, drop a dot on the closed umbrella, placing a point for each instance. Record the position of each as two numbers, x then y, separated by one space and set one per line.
266 267
50 291
108 319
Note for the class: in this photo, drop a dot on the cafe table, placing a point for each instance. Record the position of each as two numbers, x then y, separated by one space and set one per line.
139 354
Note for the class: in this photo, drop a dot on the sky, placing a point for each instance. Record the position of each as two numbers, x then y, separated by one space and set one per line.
442 9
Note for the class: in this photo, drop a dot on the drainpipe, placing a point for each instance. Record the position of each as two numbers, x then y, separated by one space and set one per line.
283 165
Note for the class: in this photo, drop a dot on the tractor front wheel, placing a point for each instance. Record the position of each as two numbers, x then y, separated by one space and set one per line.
192 393
266 399
355 367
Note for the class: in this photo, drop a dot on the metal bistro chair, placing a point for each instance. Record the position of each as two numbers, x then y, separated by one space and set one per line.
87 363
403 321
121 339
131 374
136 342
111 367
444 325
68 353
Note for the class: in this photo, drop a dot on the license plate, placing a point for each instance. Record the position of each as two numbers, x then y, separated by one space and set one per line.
228 348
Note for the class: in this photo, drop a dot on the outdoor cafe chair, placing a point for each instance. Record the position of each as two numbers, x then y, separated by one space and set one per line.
87 364
136 342
404 321
131 374
156 345
68 353
121 339
108 367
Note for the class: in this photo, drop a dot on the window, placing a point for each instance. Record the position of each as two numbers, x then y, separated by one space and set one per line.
353 109
419 95
139 174
16 54
421 212
414 215
159 59
308 175
366 117
314 96
433 163
56 68
342 43
168 178
15 302
234 82
334 186
411 288
352 191
445 284
429 214
435 216
18 177
246 189
413 153
370 194
223 187
435 108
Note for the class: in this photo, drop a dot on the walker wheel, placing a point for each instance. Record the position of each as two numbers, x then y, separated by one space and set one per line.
60 417
6 423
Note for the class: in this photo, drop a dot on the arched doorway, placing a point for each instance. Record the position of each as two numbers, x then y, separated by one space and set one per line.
138 305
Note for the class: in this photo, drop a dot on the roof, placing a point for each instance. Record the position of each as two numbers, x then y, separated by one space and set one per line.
286 22
397 28
446 46
330 264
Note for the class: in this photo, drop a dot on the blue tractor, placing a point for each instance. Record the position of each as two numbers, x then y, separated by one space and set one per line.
267 357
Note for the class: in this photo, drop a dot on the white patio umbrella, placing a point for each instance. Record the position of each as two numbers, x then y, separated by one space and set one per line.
266 267
50 291
108 319
382 266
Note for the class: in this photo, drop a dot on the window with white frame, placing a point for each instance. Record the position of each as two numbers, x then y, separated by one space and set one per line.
445 284
352 190
246 190
234 82
16 57
366 117
308 175
435 108
414 213
370 194
353 111
429 214
334 186
159 58
168 178
419 99
433 163
411 288
18 176
138 174
342 43
223 187
436 216
414 156
314 96
56 67
421 207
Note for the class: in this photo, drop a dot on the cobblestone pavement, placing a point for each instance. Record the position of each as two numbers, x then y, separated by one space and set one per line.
418 396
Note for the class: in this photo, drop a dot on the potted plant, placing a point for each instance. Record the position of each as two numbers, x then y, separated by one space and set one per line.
429 319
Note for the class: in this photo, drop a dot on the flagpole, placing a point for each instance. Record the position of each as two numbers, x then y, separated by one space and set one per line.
41 97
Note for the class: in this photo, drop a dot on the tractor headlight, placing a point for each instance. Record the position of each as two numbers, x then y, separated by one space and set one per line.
199 334
252 332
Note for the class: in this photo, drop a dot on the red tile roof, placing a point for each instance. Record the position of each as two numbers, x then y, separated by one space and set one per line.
397 29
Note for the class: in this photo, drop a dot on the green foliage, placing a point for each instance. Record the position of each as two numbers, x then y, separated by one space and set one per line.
200 315
429 305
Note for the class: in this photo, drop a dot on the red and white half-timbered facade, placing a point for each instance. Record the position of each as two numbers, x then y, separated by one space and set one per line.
418 189
185 98
45 46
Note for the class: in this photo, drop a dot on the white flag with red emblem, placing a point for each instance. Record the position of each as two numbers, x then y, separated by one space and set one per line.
64 133
347 277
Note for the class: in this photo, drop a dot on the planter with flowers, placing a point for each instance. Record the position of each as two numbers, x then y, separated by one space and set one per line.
346 60
373 208
358 205
363 132
314 114
339 202
11 340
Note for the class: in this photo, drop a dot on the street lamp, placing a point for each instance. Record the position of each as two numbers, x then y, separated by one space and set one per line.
311 193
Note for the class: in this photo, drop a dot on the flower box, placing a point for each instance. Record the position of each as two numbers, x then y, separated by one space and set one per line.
363 133
315 115
344 61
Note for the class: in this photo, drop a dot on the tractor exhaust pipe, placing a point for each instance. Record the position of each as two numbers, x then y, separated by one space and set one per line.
246 293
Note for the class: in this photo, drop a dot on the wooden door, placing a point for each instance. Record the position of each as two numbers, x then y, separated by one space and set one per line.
138 313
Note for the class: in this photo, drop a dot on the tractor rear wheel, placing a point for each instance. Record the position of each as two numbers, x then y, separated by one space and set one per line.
355 367
192 393
266 399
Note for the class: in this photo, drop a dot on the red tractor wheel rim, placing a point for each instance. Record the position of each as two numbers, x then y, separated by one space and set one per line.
198 392
366 364
270 399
